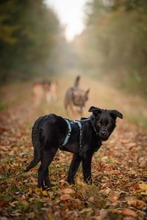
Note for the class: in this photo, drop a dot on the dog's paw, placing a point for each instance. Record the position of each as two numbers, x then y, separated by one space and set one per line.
88 181
48 186
71 182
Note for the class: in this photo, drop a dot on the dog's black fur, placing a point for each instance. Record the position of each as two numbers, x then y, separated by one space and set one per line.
48 135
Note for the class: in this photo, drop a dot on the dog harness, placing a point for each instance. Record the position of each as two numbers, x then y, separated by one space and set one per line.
69 123
80 126
69 132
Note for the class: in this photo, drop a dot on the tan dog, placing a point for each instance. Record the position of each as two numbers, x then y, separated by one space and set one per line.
44 90
75 98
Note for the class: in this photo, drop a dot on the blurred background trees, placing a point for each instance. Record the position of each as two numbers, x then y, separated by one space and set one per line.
29 36
112 46
114 42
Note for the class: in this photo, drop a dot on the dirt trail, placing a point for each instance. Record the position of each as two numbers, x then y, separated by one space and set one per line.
119 167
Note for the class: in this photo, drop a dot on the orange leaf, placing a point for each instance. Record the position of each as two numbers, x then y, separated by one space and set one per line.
24 202
129 212
65 197
68 191
137 203
143 186
45 193
113 198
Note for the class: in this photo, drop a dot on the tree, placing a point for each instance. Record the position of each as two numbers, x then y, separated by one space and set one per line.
118 33
28 35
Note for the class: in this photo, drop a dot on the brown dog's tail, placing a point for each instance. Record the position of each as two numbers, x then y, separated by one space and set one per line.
37 148
77 80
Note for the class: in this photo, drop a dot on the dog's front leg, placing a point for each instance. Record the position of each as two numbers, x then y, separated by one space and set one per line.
46 179
86 164
73 168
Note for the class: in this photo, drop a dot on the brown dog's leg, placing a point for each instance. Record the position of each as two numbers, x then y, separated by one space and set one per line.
73 168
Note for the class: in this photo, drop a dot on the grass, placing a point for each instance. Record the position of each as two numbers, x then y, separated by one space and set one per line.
139 120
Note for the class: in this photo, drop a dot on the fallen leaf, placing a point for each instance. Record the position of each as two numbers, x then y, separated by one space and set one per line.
132 144
67 191
2 204
86 210
91 199
31 215
114 197
126 211
129 212
126 179
137 203
24 202
44 192
30 191
143 186
65 197
50 217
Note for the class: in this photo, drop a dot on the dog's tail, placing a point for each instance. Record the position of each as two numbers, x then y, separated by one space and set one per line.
37 147
77 80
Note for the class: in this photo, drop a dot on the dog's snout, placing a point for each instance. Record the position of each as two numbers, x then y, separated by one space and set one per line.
103 133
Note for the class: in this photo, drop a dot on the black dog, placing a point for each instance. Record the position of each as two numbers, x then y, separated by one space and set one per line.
82 138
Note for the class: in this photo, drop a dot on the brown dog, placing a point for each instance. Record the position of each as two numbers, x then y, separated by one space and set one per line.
75 98
44 90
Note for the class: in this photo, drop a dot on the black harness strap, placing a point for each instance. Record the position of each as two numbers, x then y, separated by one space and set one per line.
80 126
69 132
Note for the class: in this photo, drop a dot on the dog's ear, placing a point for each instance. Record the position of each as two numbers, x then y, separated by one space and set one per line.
83 118
115 114
95 110
87 91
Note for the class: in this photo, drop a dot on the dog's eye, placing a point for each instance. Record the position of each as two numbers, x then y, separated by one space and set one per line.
99 124
109 124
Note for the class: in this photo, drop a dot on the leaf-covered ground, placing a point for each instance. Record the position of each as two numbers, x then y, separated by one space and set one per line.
119 168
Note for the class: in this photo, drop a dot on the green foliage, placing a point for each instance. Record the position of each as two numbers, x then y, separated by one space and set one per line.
118 33
29 32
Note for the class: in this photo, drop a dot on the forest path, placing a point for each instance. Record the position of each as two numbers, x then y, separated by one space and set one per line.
119 168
